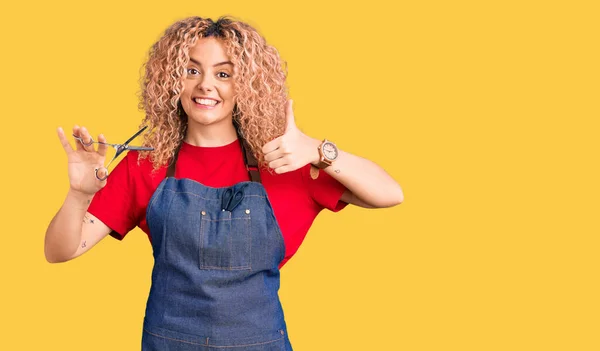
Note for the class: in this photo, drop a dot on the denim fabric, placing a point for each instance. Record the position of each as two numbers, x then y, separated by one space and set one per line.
215 279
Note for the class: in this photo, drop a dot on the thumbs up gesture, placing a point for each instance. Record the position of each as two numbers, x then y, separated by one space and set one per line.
293 149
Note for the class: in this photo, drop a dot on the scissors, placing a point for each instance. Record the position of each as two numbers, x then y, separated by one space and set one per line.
231 199
119 147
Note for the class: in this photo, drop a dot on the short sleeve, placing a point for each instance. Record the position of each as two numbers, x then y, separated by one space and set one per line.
325 190
114 204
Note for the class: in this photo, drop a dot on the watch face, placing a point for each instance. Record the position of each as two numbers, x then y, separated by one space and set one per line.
330 151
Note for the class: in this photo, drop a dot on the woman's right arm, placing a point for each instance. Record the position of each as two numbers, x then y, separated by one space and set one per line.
73 230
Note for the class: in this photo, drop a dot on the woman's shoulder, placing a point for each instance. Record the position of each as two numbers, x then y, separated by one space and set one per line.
141 168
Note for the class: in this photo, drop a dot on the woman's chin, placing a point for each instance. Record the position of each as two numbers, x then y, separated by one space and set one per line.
208 120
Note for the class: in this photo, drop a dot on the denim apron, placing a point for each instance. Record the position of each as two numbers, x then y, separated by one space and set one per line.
215 279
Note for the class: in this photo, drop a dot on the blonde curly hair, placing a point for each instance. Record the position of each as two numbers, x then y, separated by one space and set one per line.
259 83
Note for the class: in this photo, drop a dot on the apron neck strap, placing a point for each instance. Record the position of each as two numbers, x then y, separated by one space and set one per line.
250 160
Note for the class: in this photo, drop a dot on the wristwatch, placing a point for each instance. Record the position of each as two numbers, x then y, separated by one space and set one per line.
328 153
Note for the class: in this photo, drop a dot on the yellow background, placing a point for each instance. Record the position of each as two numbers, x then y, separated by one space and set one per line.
486 112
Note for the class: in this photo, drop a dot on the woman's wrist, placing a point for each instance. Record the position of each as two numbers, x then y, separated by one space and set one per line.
79 199
313 147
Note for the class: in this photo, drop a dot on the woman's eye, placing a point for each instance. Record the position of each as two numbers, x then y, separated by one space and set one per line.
192 71
223 75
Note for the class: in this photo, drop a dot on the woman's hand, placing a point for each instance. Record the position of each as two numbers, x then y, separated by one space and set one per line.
293 149
83 160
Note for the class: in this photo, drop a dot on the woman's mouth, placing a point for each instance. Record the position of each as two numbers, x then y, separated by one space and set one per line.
205 103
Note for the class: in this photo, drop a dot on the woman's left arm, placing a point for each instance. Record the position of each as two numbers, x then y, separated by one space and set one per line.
368 184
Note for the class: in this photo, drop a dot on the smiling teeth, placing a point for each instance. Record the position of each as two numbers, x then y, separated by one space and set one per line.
206 102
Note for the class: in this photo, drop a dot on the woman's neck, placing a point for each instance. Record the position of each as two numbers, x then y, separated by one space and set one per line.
210 135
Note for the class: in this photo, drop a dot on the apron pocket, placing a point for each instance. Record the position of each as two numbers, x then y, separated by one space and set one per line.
225 241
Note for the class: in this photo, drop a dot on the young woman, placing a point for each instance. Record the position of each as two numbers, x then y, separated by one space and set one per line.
226 196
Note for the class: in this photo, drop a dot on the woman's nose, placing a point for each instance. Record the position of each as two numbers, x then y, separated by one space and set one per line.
205 83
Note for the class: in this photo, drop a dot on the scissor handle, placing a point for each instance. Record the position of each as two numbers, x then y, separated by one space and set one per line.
231 199
226 199
235 201
96 172
92 141
81 140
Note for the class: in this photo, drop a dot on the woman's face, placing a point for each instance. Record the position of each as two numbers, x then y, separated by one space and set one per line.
208 90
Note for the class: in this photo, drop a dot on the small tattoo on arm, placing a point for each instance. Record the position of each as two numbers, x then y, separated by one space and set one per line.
88 201
86 219
83 245
336 170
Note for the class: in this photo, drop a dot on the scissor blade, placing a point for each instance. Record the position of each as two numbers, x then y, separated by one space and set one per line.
108 144
140 148
135 135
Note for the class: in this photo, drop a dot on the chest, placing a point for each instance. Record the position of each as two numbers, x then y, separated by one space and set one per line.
292 205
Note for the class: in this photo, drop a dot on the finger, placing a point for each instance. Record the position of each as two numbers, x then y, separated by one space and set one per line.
63 140
280 162
273 155
284 169
290 122
271 145
102 147
87 139
77 133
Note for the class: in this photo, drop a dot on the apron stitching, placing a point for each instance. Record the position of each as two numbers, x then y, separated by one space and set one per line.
165 237
212 346
200 256
249 239
207 199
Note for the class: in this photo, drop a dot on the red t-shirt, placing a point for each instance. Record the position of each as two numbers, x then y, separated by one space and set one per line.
296 198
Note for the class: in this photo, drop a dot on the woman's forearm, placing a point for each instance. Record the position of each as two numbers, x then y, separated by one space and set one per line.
64 231
365 179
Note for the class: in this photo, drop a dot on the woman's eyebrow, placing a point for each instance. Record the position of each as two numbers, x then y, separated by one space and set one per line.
223 63
215 65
